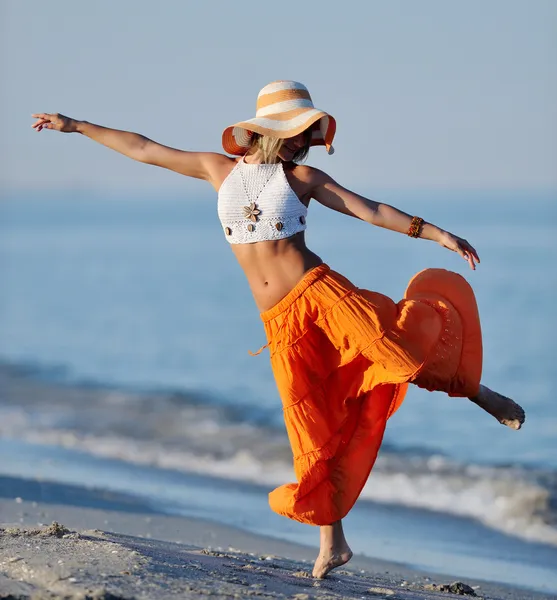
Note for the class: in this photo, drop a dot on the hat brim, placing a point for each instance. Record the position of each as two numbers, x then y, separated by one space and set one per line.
236 139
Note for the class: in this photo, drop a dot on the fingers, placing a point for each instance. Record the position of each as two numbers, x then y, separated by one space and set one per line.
466 250
463 248
43 116
39 124
471 262
44 121
466 256
472 255
469 257
41 120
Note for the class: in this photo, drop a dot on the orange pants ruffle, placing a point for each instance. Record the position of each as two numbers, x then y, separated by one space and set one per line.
342 358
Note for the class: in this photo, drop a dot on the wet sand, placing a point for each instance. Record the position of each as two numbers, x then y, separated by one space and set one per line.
102 554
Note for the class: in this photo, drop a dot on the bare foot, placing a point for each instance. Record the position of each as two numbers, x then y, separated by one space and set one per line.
328 561
505 410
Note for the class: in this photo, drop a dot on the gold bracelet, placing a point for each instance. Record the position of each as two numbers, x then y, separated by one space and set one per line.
415 227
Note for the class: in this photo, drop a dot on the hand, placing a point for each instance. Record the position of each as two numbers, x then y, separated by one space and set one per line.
456 244
57 122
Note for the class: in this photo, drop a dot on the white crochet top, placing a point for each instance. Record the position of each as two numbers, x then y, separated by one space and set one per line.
256 204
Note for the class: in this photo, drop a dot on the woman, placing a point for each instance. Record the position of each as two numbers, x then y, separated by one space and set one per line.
342 356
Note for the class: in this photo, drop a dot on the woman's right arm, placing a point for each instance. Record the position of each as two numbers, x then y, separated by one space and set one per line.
202 165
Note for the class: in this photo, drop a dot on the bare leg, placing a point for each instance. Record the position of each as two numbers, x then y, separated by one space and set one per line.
334 550
505 410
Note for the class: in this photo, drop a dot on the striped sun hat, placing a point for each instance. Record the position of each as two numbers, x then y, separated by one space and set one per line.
284 109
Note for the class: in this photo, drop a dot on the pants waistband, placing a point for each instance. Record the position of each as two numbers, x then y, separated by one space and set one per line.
307 280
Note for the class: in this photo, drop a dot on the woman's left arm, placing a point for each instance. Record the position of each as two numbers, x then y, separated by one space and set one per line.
332 195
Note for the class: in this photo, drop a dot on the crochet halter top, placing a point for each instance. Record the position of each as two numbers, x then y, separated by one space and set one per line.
256 204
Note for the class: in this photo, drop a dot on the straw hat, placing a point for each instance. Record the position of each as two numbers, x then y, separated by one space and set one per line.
284 109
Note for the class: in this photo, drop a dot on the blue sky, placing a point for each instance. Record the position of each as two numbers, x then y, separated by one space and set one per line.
428 94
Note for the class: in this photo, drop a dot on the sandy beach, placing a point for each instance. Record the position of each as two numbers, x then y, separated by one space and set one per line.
109 546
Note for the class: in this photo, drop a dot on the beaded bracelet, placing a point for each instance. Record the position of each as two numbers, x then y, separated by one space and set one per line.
415 227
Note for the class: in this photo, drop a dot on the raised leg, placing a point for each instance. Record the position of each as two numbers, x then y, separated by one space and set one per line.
334 550
505 410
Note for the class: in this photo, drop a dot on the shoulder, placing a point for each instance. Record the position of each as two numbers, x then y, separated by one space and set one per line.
220 160
311 176
218 167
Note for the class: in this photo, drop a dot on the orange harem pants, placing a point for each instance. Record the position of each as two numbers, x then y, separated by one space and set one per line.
342 358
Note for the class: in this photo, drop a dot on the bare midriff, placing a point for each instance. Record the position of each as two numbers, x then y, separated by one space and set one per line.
273 268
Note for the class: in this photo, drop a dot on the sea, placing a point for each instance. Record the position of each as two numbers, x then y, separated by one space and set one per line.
125 326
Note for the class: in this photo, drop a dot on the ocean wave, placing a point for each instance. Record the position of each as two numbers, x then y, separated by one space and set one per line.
171 433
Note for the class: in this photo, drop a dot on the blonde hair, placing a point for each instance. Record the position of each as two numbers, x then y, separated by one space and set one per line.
270 147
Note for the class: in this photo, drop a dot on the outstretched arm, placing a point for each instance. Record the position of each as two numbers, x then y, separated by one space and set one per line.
202 165
332 195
